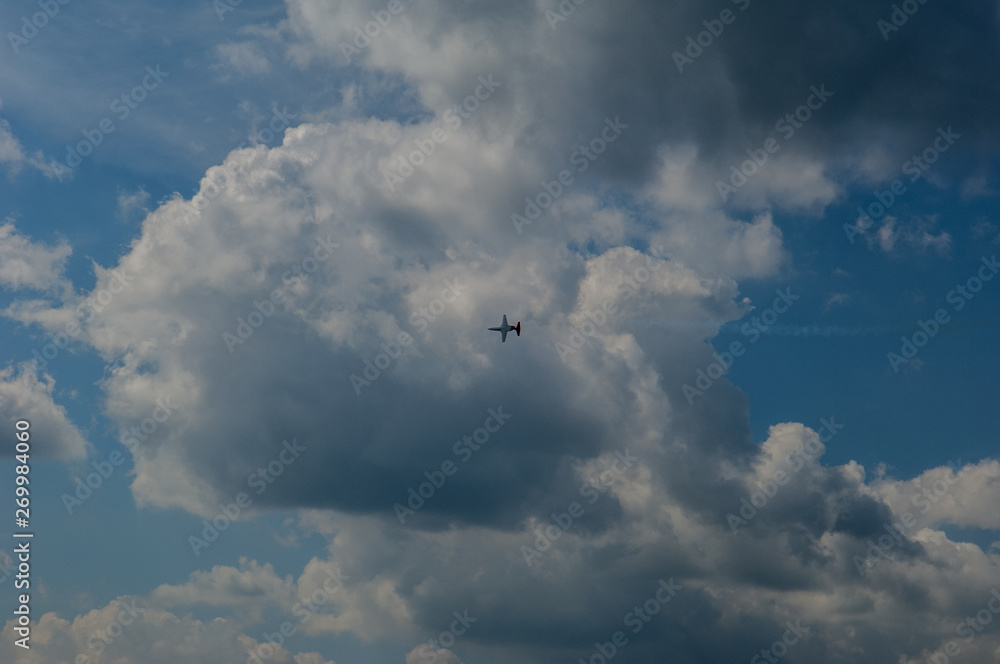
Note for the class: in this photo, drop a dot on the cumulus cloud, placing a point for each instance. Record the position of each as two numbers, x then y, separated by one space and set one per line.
380 278
129 631
27 264
305 295
24 395
230 587
793 562
953 494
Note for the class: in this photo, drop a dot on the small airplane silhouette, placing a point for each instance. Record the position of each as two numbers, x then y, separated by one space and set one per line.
505 328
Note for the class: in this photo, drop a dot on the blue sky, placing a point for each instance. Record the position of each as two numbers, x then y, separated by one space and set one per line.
271 221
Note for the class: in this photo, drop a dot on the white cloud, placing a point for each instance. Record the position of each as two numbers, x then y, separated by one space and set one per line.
129 631
132 204
893 237
958 495
27 264
190 282
697 232
321 601
247 590
241 59
23 395
11 151
792 181
311 658
422 654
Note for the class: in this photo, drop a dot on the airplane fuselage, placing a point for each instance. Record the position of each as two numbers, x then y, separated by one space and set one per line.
505 328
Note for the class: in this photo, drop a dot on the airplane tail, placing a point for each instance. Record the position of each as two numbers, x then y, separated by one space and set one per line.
517 328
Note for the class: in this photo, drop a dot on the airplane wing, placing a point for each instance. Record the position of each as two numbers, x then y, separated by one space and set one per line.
504 320
503 334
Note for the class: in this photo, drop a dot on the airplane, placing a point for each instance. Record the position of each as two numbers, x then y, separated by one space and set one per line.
505 328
